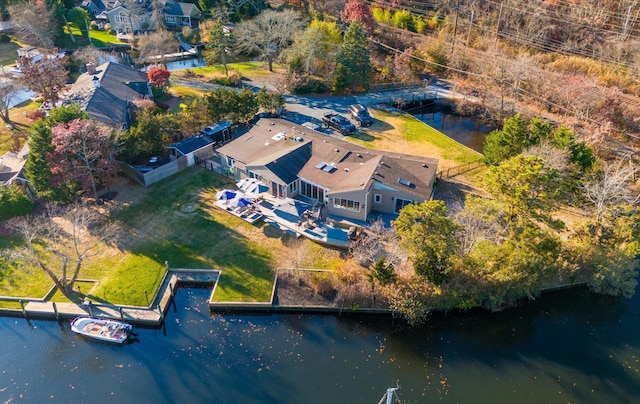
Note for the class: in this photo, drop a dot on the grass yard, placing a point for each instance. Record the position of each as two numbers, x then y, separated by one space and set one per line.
209 237
17 115
99 38
245 69
9 53
155 230
402 133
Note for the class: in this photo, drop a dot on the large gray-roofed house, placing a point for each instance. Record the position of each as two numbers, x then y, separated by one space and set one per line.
350 180
178 14
107 92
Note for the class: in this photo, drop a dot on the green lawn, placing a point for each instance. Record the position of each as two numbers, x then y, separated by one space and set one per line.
157 230
8 53
246 69
208 238
99 39
403 133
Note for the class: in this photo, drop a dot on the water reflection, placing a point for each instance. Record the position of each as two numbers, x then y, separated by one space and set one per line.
568 346
468 131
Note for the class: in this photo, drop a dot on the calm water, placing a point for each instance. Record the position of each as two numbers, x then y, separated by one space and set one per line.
468 131
566 347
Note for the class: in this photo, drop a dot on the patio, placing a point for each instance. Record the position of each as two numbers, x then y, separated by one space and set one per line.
295 217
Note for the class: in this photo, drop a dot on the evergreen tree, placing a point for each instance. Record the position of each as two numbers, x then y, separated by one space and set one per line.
37 167
355 58
506 143
382 272
426 231
14 202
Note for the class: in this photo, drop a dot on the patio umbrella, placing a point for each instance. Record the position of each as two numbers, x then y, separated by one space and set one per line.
240 201
257 188
244 183
226 194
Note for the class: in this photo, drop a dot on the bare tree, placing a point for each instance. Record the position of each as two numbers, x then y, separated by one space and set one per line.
45 76
480 220
154 45
611 187
60 242
268 33
8 91
93 55
379 241
34 22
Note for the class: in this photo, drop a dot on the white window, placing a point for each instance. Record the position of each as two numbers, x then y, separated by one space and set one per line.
170 18
293 187
230 161
347 204
377 198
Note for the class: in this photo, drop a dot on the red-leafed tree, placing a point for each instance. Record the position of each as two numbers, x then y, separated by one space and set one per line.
358 10
158 77
84 151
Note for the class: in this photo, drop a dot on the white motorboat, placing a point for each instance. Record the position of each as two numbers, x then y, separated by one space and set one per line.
101 329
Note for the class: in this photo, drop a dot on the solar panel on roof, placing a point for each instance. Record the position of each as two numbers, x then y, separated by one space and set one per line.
321 165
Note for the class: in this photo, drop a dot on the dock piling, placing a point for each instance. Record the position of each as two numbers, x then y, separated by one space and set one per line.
24 311
55 310
161 313
121 314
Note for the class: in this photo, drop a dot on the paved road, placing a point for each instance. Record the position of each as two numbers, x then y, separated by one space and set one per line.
310 108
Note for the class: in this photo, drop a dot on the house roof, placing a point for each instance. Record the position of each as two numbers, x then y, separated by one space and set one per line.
192 144
264 145
181 9
107 94
334 164
97 4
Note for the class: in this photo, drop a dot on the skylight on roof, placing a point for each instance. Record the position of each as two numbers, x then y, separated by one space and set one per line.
405 182
329 168
321 165
278 136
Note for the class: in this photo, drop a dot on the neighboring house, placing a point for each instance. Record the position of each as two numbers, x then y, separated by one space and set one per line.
177 15
128 22
94 7
107 92
351 181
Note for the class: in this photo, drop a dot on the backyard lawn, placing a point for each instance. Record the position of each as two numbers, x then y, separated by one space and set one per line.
245 69
17 115
99 38
157 229
8 53
403 133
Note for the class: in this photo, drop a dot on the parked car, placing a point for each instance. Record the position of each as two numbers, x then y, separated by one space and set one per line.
360 114
338 122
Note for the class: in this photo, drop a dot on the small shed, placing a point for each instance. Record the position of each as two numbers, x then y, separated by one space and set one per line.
201 146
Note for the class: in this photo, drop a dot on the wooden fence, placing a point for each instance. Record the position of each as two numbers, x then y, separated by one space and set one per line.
457 170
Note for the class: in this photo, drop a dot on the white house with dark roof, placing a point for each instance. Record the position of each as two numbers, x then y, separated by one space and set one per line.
351 181
107 92
178 14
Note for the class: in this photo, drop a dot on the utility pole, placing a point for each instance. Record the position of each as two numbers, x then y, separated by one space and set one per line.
469 31
455 27
498 24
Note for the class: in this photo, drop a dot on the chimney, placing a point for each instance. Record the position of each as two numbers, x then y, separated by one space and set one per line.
91 68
